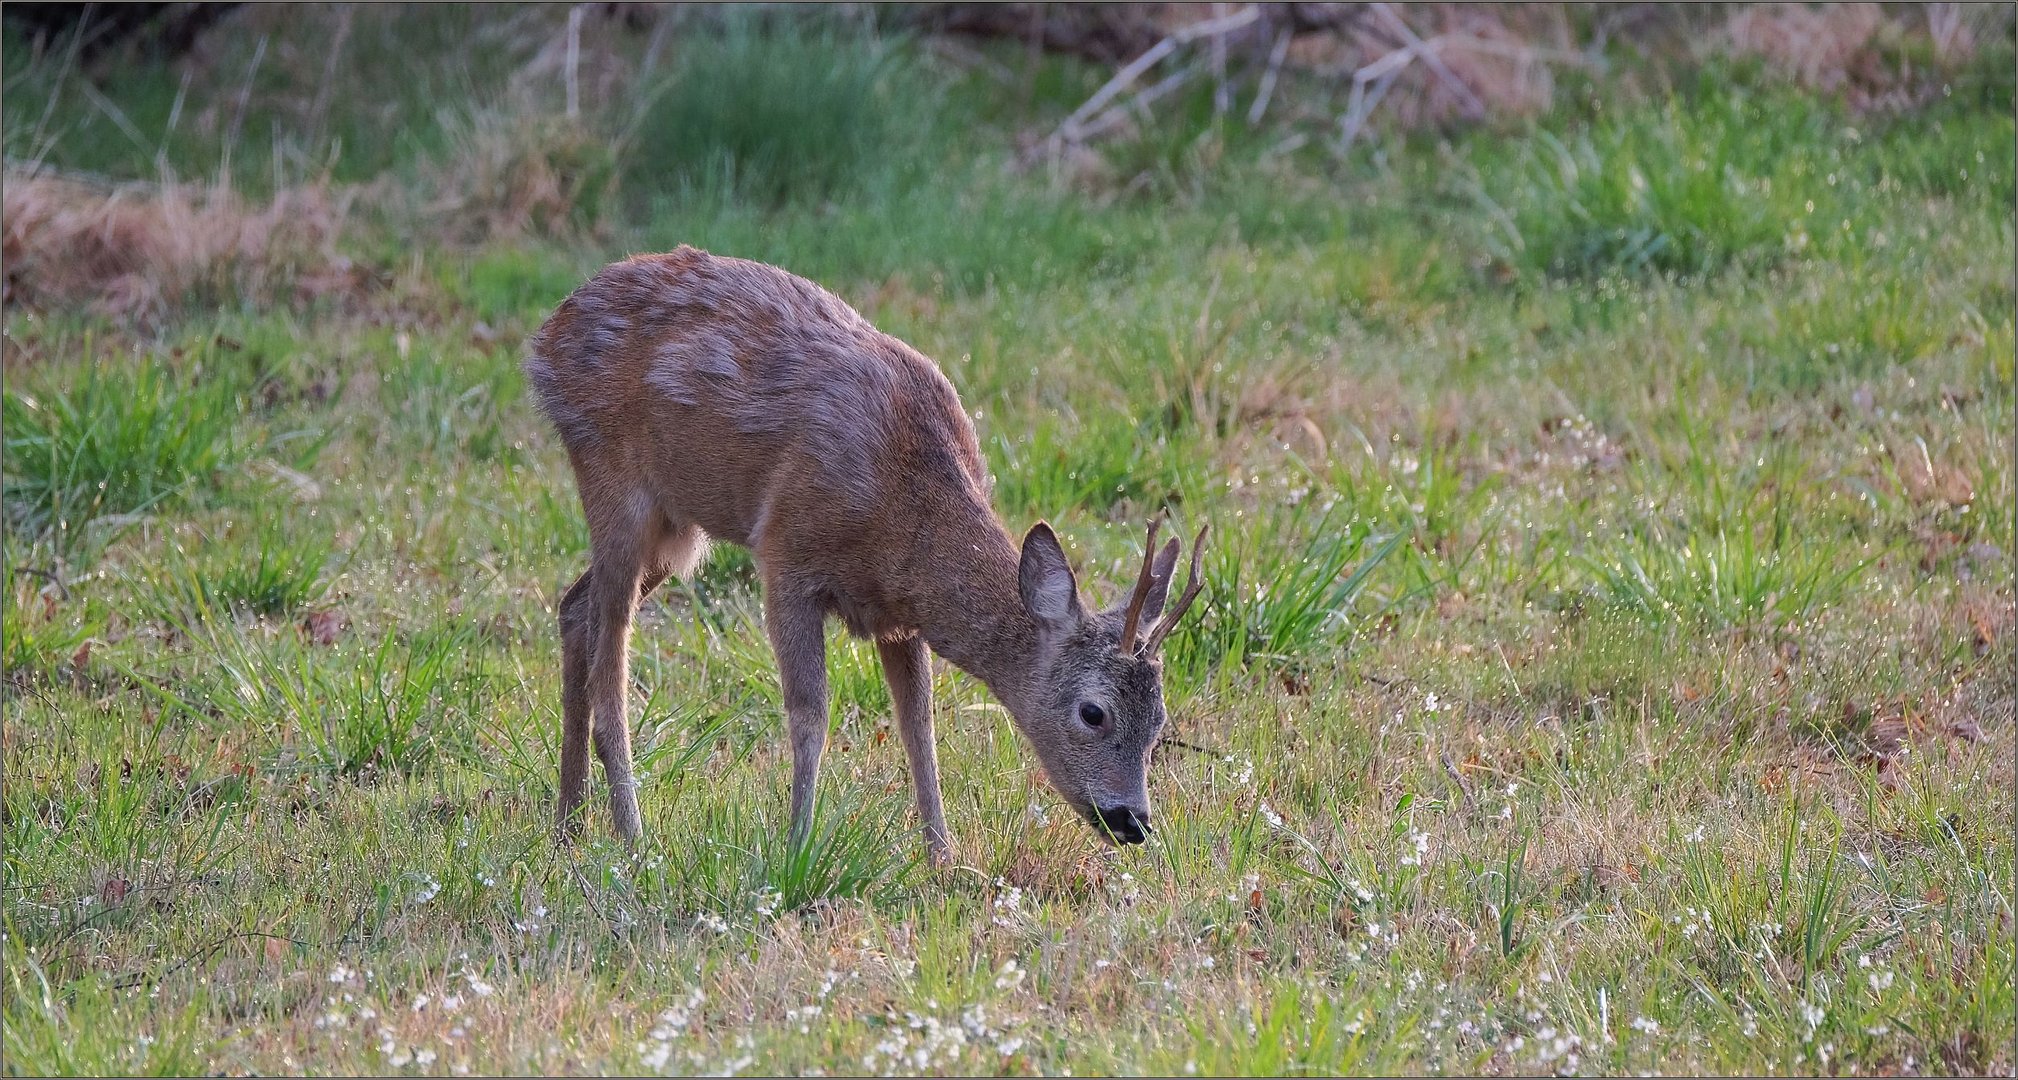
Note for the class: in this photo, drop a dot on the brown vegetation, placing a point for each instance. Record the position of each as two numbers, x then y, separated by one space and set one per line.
132 250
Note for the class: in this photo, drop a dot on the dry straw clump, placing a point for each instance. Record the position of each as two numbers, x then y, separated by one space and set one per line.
512 174
1843 47
137 250
1818 47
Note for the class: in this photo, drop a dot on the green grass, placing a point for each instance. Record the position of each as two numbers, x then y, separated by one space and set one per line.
773 116
117 442
1604 663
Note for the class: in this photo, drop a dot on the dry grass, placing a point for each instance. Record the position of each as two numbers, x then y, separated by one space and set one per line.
513 174
1819 46
136 251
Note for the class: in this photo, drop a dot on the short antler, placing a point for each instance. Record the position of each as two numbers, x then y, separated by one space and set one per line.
1191 586
1130 622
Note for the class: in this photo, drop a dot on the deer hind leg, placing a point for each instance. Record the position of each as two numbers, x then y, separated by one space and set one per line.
624 533
576 630
676 551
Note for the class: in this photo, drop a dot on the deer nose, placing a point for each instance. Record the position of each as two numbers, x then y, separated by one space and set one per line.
1129 825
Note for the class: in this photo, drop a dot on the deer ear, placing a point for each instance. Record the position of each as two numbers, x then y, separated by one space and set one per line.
1050 593
1159 582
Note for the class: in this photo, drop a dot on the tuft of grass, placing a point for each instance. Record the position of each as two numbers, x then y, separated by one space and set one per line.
115 443
1749 571
282 573
1723 175
396 708
1278 594
44 1038
1054 469
1290 1033
776 115
42 634
861 852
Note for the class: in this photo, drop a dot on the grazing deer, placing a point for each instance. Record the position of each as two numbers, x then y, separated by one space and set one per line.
706 398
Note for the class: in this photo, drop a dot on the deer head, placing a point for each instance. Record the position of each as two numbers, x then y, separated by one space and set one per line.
1093 709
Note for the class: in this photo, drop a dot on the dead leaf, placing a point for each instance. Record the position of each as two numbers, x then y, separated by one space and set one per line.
1968 731
324 627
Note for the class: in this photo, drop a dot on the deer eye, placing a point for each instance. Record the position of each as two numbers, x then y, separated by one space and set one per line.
1092 715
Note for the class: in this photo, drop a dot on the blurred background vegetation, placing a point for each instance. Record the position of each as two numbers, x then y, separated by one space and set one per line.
214 153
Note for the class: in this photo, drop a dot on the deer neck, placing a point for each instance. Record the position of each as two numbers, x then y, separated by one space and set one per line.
971 611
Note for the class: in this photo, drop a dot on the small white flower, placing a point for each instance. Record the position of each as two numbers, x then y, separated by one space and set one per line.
1647 1025
1415 857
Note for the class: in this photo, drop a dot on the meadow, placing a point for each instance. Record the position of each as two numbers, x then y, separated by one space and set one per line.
1605 664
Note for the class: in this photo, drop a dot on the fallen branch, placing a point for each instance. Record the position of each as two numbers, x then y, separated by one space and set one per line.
1381 75
1472 104
1137 105
1073 129
1275 57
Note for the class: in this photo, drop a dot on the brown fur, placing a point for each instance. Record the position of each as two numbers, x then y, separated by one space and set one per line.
711 398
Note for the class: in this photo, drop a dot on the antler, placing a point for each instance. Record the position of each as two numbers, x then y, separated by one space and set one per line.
1191 586
1129 622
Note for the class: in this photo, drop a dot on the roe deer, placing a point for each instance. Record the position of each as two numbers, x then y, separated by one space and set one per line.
702 398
